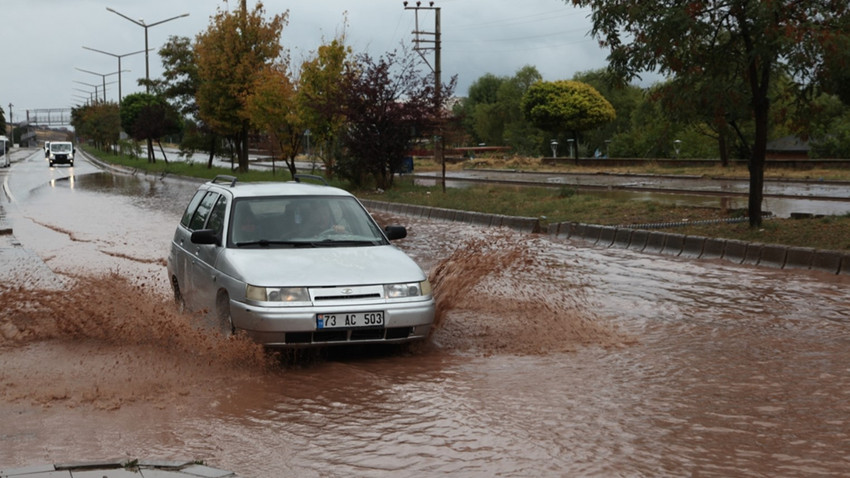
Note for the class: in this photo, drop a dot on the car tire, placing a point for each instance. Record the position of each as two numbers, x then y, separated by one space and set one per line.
71 164
51 164
223 320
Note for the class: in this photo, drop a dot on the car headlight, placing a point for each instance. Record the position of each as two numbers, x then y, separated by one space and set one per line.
277 294
409 289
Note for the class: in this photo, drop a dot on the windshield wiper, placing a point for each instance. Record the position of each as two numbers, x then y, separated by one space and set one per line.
267 243
343 243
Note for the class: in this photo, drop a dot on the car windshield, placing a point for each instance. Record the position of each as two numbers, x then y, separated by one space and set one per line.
60 147
301 221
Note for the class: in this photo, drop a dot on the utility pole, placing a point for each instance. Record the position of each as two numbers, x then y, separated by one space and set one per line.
11 126
421 43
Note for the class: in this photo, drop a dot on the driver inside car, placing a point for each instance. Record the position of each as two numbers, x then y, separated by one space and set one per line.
318 220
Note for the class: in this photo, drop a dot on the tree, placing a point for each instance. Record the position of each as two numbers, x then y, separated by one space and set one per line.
387 103
830 133
273 107
519 132
148 117
99 122
179 86
480 110
321 95
2 121
623 97
724 42
566 106
230 54
492 112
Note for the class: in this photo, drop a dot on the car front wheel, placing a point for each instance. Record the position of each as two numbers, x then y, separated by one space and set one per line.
223 320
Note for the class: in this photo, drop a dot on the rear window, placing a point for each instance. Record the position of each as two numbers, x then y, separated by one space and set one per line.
200 214
190 209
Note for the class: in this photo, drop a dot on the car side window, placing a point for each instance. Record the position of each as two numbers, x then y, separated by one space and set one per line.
203 211
190 209
216 220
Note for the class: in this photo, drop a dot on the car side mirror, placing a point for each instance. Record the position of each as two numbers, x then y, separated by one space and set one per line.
205 236
395 232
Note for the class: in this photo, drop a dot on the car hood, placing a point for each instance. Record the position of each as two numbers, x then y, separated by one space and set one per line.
324 266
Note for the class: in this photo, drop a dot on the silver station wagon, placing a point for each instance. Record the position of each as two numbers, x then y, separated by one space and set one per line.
294 264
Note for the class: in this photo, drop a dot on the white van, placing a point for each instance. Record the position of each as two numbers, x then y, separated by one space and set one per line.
61 152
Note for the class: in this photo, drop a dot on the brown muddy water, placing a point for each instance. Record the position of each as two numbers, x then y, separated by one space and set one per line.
551 358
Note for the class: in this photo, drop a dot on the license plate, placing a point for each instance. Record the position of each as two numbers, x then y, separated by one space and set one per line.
349 320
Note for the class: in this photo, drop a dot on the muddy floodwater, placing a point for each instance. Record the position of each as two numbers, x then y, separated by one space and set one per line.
551 358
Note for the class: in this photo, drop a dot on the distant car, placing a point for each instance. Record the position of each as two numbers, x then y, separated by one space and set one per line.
292 264
61 152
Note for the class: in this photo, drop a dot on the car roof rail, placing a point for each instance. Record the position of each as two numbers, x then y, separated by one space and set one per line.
224 178
299 177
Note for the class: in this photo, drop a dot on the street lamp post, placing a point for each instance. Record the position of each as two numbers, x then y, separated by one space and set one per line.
103 77
119 65
93 86
140 22
86 99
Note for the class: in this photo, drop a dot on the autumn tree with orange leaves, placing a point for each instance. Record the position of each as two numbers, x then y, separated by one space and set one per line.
236 47
274 108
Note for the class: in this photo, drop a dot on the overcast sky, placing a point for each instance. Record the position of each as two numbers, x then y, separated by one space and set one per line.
42 40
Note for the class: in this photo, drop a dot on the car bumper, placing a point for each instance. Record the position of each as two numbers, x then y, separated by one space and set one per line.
293 327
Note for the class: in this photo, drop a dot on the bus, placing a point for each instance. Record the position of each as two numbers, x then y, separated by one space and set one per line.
5 162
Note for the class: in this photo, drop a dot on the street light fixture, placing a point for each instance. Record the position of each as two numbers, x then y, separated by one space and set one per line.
103 77
119 65
140 22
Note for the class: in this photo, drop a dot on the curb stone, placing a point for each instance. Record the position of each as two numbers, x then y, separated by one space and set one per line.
665 243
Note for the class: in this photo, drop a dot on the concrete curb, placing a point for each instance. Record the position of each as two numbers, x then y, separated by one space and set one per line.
642 240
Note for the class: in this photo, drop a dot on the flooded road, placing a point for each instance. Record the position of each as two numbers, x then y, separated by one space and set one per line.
782 197
551 358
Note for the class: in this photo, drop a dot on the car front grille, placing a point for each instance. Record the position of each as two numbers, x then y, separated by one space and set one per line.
348 336
355 293
347 297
